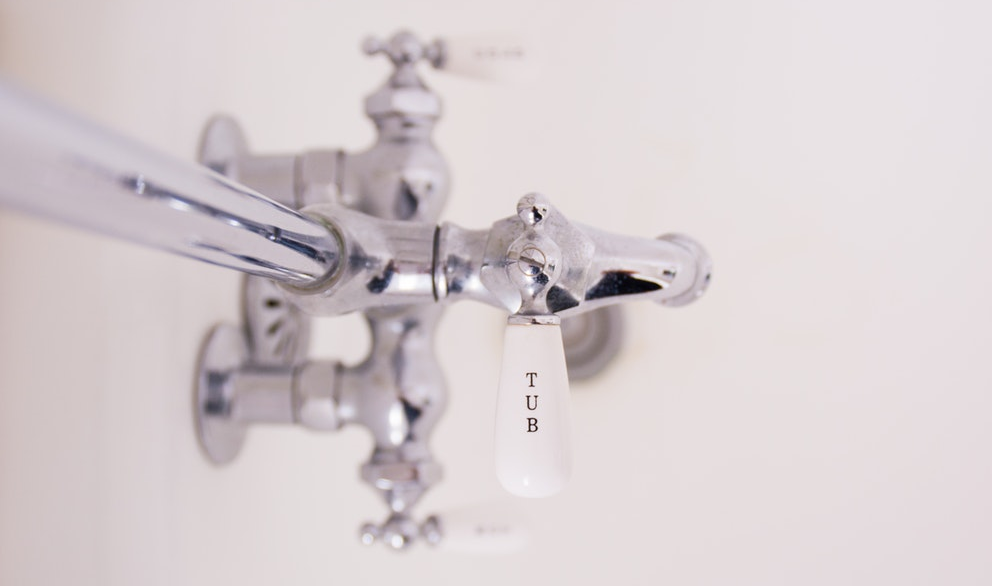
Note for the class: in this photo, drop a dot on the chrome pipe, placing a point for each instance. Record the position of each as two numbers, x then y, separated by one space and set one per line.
59 166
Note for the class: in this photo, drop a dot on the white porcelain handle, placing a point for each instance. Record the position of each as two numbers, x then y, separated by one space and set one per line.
533 426
483 529
498 57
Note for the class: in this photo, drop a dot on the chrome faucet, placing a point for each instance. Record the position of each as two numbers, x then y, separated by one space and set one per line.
343 232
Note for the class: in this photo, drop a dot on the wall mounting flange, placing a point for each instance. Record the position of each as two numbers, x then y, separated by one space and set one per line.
223 354
221 143
592 340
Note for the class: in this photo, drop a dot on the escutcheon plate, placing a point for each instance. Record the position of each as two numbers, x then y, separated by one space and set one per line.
224 352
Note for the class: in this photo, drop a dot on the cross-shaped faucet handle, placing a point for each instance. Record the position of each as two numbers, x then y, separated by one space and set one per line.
405 48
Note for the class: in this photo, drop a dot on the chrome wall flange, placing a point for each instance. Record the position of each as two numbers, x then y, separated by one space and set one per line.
224 353
592 340
274 334
221 143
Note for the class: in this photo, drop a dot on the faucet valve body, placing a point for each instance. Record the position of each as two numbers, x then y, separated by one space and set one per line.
401 269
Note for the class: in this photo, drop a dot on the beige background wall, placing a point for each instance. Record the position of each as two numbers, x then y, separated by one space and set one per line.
822 417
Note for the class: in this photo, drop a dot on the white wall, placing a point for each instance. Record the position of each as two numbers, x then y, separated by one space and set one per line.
821 417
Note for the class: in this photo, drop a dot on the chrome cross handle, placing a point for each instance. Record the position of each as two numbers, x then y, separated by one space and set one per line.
404 48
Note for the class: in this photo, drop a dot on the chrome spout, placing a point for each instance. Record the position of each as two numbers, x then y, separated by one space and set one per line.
57 165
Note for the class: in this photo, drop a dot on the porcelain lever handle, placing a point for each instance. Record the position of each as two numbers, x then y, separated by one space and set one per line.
496 57
532 440
481 529
533 426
